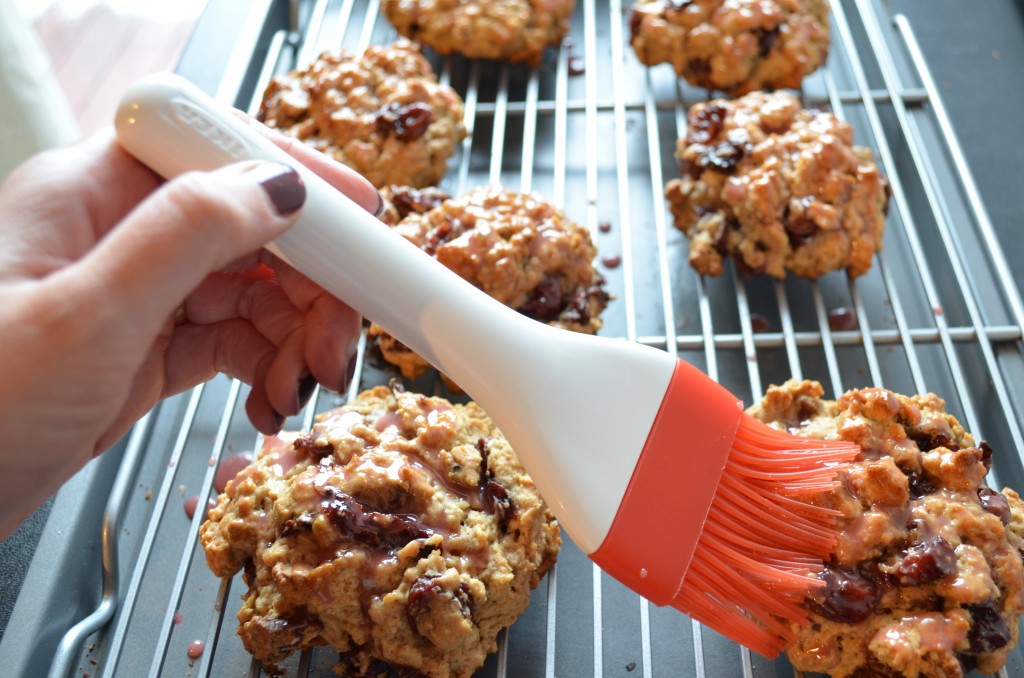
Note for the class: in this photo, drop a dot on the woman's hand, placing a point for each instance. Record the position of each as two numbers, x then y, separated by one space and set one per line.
118 289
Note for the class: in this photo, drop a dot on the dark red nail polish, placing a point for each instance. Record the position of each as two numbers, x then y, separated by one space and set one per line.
283 186
278 421
305 389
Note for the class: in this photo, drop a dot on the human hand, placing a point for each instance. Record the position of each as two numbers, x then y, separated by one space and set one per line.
119 289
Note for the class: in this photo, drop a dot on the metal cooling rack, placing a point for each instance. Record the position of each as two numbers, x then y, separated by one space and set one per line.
594 131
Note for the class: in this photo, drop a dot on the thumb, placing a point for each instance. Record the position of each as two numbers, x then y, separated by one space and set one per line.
191 226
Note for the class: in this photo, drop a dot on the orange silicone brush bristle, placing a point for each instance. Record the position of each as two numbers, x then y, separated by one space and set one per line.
763 544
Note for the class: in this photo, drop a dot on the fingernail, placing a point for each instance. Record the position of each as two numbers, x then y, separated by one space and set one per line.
305 389
283 186
380 206
278 421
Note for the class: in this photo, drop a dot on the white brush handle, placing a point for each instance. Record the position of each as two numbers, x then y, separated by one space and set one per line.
576 409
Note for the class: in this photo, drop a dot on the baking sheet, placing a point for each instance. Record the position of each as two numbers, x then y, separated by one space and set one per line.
600 143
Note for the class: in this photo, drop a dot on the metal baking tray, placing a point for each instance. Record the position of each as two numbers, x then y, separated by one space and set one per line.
119 586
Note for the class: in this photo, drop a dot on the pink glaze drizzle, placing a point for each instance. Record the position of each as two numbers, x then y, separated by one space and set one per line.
229 467
195 649
191 503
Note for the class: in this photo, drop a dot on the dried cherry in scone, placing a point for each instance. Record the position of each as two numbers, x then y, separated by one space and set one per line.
426 593
407 122
995 503
989 631
848 596
927 561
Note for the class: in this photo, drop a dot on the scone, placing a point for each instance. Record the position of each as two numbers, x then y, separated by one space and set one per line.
926 577
510 30
777 188
402 531
516 247
736 46
382 113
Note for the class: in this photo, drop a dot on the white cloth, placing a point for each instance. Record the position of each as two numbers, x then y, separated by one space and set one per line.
34 113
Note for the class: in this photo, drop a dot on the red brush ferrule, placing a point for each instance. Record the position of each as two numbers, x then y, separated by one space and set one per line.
655 531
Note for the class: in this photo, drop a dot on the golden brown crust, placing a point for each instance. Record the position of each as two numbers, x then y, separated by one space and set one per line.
510 30
402 531
381 113
736 46
777 188
516 247
926 576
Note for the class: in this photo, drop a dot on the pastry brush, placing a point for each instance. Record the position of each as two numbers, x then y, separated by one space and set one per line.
652 468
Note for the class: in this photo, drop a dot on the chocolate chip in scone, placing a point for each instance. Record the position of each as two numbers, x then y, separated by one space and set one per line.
766 39
927 561
995 503
989 631
493 495
986 454
578 309
848 596
426 592
287 636
249 571
919 485
546 300
968 662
